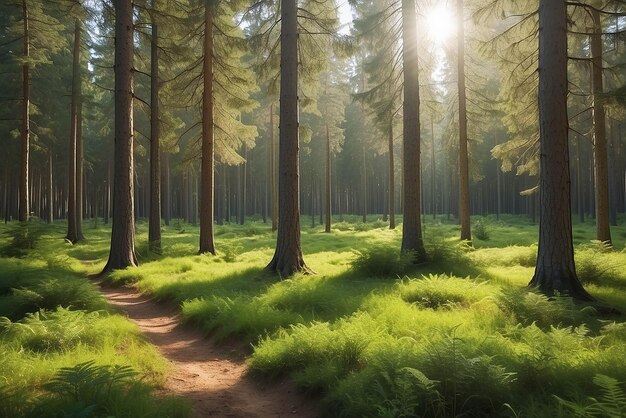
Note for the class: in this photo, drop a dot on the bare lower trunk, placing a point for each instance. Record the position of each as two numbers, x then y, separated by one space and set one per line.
122 253
49 190
273 171
288 257
208 164
555 271
412 240
464 199
600 157
154 227
80 172
328 181
392 180
72 233
24 210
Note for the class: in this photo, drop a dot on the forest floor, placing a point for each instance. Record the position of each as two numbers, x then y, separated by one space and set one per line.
212 376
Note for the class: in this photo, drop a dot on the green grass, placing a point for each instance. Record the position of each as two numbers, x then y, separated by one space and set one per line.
373 336
52 319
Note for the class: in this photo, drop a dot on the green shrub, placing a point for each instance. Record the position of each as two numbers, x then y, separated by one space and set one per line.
381 261
480 230
23 237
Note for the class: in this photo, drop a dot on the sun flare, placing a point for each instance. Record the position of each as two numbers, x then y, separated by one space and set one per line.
440 24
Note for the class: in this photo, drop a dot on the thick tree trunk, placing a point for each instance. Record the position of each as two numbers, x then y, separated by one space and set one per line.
288 257
122 253
555 271
208 158
154 224
72 234
412 240
24 209
392 180
600 158
328 182
464 198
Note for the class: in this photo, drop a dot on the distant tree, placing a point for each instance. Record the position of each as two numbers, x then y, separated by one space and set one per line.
464 193
555 271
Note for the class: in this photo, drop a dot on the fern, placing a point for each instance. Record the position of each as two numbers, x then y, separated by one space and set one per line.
612 403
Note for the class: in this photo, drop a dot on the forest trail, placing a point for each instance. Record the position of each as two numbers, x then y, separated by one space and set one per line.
213 377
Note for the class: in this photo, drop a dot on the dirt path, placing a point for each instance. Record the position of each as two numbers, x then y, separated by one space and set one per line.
213 377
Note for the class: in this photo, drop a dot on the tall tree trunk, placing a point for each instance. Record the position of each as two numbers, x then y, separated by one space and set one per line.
433 169
72 233
364 182
166 193
122 253
107 194
600 158
288 257
80 172
412 240
498 187
555 271
24 210
579 186
273 170
392 179
328 181
49 191
464 197
154 224
208 158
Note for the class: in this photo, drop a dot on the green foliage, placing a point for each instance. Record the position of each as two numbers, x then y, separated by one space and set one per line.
480 230
595 263
382 261
611 404
22 237
444 292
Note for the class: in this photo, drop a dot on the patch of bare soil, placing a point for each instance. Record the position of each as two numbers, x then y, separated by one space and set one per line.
213 377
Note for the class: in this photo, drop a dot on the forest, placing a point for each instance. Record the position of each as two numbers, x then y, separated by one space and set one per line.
313 208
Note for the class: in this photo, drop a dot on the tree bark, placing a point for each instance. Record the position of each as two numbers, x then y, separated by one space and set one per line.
24 209
288 257
328 181
273 170
555 271
600 158
154 224
80 172
49 191
122 252
72 233
208 158
412 240
464 198
392 180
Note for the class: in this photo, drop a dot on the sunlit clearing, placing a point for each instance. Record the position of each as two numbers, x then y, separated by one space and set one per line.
440 23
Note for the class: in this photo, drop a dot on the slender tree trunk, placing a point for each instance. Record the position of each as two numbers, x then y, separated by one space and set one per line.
208 153
50 191
498 187
412 240
72 233
579 186
107 192
603 232
433 169
273 170
464 197
122 253
166 192
154 227
555 271
392 179
24 210
328 202
288 257
80 172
